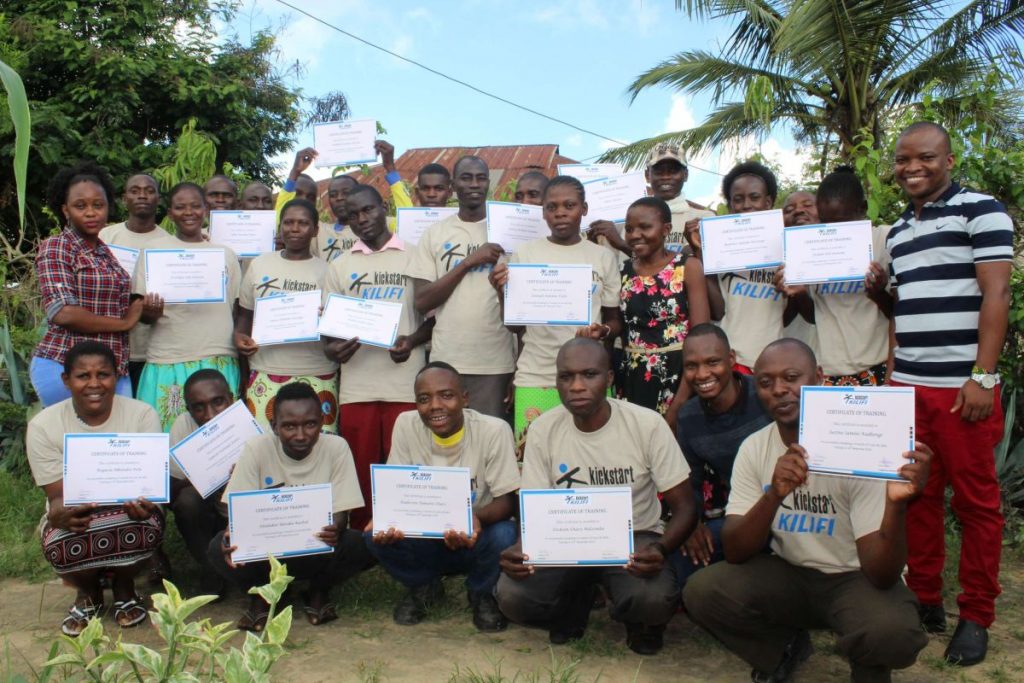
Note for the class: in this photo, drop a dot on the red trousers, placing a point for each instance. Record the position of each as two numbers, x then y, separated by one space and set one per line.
964 459
367 428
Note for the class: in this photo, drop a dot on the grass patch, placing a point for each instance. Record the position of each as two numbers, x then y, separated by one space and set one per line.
560 671
368 595
598 645
21 554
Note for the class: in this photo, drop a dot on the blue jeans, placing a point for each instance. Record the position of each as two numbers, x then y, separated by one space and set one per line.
45 375
685 568
415 562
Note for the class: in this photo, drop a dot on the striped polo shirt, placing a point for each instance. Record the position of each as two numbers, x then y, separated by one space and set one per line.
933 269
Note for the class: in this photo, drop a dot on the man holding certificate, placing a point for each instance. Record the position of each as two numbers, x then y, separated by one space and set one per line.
443 432
839 546
296 454
594 441
376 382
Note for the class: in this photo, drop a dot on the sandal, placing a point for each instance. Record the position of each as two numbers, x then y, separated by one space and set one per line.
319 617
253 620
128 613
78 618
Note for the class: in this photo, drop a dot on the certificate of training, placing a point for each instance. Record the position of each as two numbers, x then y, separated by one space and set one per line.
287 319
587 172
833 252
248 233
564 527
374 322
742 241
345 143
207 455
609 198
422 501
510 224
187 276
412 221
857 431
126 257
541 294
114 468
281 522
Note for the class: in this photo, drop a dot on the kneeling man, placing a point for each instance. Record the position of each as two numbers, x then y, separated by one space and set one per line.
839 547
592 440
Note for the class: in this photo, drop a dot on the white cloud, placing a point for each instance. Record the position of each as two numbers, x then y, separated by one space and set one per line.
789 160
680 115
402 44
570 14
606 145
574 140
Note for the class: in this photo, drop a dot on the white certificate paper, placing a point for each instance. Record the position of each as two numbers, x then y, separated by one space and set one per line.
511 225
126 256
541 294
114 468
287 319
412 221
565 527
587 172
609 198
374 322
742 241
207 455
248 233
832 252
345 143
187 276
857 431
422 501
280 522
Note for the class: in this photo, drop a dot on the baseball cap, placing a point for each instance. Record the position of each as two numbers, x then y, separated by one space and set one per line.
665 151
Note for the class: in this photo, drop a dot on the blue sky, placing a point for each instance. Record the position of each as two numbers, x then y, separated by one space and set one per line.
571 59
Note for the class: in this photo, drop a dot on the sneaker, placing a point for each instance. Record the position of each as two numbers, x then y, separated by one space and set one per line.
968 645
933 617
645 640
413 607
796 653
486 615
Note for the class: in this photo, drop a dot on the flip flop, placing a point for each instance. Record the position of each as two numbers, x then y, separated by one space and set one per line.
131 610
254 621
78 618
319 617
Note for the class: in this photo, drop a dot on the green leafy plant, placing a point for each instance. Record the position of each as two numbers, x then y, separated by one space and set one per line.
194 651
17 102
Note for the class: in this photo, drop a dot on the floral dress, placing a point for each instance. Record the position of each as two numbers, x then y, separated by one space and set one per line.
654 315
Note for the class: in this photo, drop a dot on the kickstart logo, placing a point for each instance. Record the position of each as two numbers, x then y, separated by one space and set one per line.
859 400
577 500
421 476
281 498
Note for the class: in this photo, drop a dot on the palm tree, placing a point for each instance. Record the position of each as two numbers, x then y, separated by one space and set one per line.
833 70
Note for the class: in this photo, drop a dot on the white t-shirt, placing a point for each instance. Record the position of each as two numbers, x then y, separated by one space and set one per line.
487 449
817 525
469 333
753 312
682 212
536 364
273 275
330 243
635 448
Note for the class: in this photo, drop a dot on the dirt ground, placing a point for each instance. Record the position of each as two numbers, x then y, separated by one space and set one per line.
365 645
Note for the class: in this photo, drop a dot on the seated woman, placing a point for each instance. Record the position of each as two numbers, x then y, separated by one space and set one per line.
85 541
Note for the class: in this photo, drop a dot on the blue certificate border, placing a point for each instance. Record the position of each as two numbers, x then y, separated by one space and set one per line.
601 180
114 248
394 332
352 162
289 340
562 167
223 280
410 210
165 498
324 549
487 208
814 281
423 468
752 266
246 254
554 323
864 474
234 406
601 490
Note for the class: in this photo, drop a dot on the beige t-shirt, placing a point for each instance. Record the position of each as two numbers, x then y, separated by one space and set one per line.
469 333
264 465
853 333
182 426
44 440
119 235
191 332
753 311
330 243
536 364
636 448
273 275
486 448
681 213
371 375
817 525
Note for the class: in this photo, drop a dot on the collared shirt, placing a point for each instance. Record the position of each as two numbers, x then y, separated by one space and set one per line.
73 273
938 306
395 242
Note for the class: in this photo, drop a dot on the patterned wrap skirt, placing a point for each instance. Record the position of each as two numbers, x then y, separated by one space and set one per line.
263 387
113 539
162 385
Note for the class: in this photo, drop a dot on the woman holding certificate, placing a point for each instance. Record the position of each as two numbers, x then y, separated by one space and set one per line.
83 288
660 299
190 296
82 542
274 362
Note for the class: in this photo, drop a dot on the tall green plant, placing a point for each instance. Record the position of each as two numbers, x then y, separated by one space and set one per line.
17 102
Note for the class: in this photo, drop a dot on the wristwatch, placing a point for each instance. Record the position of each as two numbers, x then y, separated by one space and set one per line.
984 378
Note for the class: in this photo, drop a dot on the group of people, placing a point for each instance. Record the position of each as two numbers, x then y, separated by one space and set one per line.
686 388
